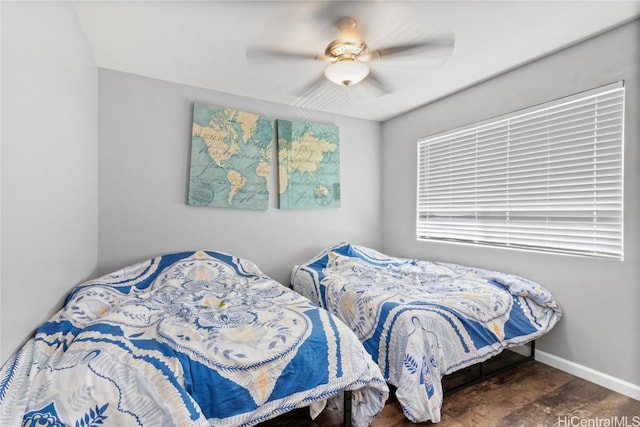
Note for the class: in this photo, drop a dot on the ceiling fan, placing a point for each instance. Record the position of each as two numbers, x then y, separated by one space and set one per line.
349 58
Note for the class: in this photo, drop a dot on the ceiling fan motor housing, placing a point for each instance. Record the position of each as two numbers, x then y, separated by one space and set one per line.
338 50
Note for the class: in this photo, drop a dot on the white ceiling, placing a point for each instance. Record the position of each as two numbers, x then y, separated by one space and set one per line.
204 44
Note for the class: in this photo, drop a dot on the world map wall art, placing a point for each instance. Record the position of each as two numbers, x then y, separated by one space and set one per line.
308 165
230 158
231 154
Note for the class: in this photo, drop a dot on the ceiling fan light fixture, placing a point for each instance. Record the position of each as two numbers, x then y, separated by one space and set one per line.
346 71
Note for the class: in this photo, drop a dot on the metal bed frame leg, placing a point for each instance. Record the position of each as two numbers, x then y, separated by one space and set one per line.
532 356
346 421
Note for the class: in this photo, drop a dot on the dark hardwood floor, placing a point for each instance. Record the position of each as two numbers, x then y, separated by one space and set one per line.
532 394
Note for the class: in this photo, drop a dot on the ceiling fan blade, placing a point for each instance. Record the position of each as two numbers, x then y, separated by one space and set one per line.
376 85
441 47
412 62
255 54
311 87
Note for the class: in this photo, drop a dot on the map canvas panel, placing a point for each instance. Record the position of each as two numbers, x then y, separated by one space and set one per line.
230 158
308 165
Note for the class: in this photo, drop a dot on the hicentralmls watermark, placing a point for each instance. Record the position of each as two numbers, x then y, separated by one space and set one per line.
614 421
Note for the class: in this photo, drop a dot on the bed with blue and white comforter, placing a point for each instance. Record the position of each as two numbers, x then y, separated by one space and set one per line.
421 320
188 339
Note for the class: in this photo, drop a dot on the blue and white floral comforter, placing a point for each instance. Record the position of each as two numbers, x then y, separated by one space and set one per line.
421 320
189 339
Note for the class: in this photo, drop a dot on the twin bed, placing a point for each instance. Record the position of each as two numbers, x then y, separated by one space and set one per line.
421 320
189 339
205 338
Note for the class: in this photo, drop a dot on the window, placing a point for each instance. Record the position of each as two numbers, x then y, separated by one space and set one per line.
548 178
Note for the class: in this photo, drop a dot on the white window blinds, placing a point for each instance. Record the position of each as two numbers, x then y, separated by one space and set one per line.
548 178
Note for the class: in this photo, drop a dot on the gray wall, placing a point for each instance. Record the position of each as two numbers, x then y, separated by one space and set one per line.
601 324
144 152
49 164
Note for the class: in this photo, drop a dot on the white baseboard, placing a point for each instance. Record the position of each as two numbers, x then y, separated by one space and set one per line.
605 380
